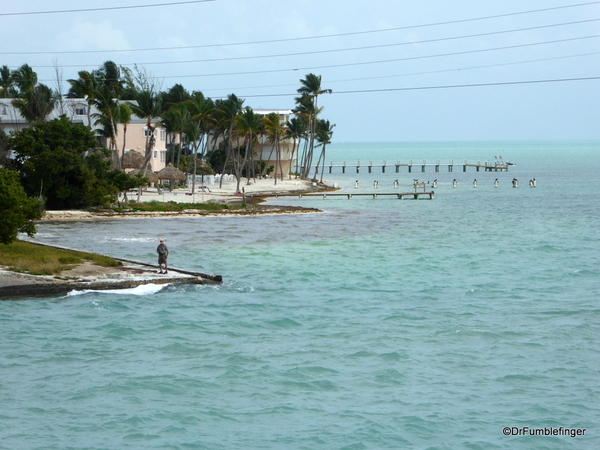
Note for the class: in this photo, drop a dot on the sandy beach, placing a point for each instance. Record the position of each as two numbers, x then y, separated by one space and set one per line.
225 194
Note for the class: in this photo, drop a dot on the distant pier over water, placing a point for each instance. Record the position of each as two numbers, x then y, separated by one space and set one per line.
499 165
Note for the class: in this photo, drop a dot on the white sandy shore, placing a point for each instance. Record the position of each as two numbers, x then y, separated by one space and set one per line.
227 192
224 194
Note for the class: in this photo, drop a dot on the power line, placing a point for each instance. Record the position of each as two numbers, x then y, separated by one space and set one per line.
352 49
103 9
455 86
428 72
369 47
408 27
410 58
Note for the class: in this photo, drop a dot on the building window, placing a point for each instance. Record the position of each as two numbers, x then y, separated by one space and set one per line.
163 135
155 154
147 132
163 156
80 110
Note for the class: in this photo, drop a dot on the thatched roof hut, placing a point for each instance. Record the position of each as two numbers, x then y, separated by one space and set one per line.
203 168
171 173
152 177
132 160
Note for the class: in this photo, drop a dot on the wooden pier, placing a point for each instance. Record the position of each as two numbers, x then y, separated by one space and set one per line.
411 167
400 195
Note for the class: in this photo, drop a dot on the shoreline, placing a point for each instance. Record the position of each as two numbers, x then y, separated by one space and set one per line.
88 276
254 196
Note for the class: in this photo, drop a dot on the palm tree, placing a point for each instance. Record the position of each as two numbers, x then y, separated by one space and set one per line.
124 118
86 86
248 126
34 101
24 78
177 94
148 106
7 83
227 110
305 111
178 118
107 117
109 75
296 130
275 132
311 88
323 136
202 110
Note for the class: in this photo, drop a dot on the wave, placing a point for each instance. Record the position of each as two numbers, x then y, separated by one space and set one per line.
144 289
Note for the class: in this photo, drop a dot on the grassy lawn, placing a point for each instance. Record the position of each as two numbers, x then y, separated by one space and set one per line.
155 206
34 259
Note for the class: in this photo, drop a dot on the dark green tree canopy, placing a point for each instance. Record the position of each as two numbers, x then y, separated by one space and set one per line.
60 161
16 209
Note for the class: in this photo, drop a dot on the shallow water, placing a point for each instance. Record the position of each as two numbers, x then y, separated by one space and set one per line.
375 324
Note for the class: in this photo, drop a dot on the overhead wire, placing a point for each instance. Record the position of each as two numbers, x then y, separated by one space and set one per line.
108 8
409 74
354 33
455 86
356 49
369 47
408 58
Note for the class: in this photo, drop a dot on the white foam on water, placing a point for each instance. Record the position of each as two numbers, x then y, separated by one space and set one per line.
144 289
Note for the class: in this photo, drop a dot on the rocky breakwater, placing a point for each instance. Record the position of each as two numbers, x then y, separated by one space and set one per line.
89 276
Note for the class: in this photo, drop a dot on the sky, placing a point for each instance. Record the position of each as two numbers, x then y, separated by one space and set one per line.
399 70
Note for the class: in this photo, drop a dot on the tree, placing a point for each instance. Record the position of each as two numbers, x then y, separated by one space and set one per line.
323 137
227 111
275 132
248 125
149 107
202 110
59 161
7 83
34 101
124 118
16 209
296 130
310 90
85 87
107 118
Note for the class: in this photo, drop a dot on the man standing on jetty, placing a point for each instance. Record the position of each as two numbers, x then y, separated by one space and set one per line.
163 254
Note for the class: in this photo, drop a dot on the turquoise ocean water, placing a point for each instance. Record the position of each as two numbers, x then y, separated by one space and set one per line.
377 324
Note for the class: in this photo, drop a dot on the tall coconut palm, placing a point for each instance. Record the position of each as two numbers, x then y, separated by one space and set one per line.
86 87
34 101
107 118
311 88
177 117
7 83
24 78
202 110
109 75
227 110
323 136
124 118
296 130
305 111
247 124
275 132
177 94
148 106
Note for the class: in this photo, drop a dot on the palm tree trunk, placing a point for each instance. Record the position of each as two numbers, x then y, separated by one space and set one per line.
323 163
